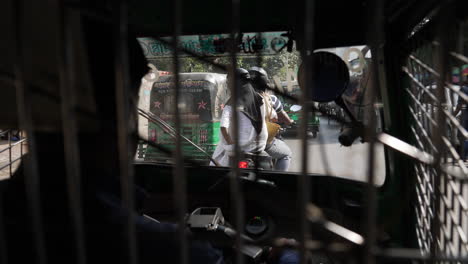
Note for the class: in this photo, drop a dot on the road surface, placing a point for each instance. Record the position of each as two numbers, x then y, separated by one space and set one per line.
5 158
327 156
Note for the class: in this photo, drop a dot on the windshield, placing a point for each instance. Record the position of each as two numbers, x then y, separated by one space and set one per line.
327 154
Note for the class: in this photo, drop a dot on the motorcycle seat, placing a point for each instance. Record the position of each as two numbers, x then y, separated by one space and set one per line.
261 154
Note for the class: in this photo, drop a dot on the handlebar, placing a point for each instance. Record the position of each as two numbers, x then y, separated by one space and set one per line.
232 233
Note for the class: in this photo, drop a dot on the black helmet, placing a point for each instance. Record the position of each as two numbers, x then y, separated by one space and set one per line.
259 78
257 71
241 73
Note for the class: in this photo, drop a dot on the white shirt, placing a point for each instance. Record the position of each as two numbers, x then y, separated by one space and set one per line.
248 139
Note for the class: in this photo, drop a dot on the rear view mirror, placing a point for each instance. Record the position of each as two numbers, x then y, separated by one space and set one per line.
330 77
295 108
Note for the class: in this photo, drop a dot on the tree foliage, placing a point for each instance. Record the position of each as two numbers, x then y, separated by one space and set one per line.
275 65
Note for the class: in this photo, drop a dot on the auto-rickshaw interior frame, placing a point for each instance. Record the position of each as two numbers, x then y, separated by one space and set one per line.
400 33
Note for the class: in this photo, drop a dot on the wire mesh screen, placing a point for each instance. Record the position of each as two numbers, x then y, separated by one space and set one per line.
437 107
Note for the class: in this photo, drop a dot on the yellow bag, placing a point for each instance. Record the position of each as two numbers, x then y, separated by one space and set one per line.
273 130
272 127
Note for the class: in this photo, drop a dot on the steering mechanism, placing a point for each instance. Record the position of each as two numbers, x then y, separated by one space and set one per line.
209 222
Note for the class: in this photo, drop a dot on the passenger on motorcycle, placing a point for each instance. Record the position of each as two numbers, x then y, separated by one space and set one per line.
251 115
277 148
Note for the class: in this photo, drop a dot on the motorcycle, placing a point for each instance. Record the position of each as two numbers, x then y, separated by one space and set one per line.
262 160
250 160
292 131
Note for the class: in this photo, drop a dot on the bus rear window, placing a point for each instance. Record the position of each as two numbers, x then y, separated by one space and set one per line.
186 104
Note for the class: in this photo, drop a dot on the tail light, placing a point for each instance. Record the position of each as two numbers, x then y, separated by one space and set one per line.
243 164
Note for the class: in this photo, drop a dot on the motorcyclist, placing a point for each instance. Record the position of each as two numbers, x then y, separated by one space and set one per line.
251 120
277 148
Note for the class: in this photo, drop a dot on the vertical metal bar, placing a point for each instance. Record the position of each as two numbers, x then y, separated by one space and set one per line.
442 63
462 37
9 152
303 181
323 150
259 21
3 247
21 144
235 186
461 209
450 209
67 78
445 180
259 11
3 242
23 102
258 59
460 46
376 39
179 179
461 214
123 133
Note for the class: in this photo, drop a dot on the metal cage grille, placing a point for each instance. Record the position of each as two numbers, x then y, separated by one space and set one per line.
434 71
